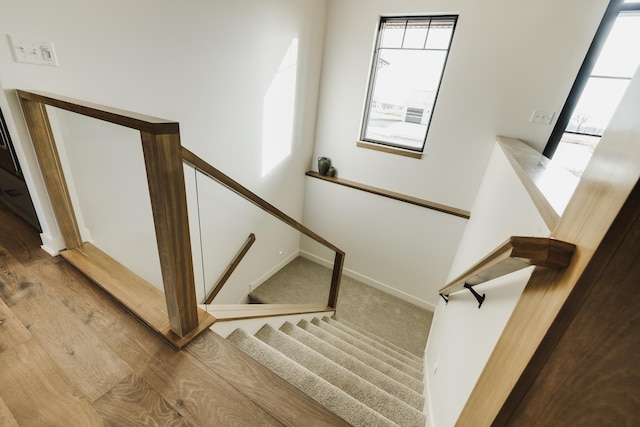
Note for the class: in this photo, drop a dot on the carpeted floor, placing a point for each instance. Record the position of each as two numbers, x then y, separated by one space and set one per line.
305 282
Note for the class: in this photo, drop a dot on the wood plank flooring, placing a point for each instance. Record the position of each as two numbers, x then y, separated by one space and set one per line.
70 355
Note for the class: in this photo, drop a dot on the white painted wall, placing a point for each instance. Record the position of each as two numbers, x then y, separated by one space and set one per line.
462 336
401 249
507 59
240 77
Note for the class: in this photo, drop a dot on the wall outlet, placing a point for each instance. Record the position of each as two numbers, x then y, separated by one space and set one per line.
33 51
542 117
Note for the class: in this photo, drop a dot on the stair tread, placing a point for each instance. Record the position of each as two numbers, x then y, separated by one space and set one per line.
372 335
376 342
380 365
331 397
365 371
377 399
391 360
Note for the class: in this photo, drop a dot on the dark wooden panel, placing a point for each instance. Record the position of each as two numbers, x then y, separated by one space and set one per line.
134 403
592 376
260 384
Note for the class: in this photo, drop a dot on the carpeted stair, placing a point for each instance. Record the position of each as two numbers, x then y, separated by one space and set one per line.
363 379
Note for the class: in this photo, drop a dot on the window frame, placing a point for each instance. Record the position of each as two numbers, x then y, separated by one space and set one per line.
387 146
614 8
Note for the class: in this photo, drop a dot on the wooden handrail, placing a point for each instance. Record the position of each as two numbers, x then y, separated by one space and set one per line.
230 268
514 254
116 116
213 173
393 195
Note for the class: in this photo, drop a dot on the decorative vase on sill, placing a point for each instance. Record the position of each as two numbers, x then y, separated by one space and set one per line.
324 163
332 171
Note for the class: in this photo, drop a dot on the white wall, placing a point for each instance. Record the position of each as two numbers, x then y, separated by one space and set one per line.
507 59
462 336
240 77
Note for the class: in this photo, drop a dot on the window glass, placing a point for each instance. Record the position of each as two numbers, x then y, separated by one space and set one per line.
603 86
405 78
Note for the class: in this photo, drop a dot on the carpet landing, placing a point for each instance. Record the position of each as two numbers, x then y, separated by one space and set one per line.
368 309
362 378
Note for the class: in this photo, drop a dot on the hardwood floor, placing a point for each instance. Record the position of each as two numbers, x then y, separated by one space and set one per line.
71 356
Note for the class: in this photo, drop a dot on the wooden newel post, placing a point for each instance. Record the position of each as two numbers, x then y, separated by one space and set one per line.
165 175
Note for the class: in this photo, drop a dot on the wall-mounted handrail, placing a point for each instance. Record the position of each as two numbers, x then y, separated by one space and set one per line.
514 254
213 173
230 268
392 195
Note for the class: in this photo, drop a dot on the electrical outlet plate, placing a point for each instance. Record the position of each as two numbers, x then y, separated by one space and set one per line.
541 117
33 51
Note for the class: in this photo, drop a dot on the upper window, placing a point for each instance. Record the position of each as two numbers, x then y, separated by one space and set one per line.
610 64
407 68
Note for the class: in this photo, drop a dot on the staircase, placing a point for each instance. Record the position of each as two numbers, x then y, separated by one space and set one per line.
363 379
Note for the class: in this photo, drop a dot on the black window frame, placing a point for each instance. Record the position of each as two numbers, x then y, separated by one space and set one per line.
372 80
614 8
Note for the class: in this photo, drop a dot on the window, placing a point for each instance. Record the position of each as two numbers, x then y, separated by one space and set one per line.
406 71
601 83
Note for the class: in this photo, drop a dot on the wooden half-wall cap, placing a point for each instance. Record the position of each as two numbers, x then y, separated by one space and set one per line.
514 254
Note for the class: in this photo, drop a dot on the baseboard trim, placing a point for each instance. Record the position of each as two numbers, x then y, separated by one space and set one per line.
266 276
372 282
52 245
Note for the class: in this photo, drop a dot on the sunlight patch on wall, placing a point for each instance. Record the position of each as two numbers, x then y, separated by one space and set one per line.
279 112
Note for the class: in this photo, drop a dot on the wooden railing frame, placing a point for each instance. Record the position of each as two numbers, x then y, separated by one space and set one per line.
514 254
163 156
161 148
230 268
213 173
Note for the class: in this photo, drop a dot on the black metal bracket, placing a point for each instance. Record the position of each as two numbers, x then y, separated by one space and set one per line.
444 297
479 297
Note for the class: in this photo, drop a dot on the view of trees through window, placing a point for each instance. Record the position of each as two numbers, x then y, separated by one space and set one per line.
605 87
407 68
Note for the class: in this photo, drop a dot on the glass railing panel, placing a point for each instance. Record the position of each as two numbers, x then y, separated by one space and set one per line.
104 168
274 269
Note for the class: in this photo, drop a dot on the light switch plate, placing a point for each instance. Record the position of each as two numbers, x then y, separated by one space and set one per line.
542 117
33 51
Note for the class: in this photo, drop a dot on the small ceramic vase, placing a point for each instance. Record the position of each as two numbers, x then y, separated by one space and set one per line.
324 163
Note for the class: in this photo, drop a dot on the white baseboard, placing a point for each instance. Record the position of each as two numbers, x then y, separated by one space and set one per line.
245 298
52 245
372 282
